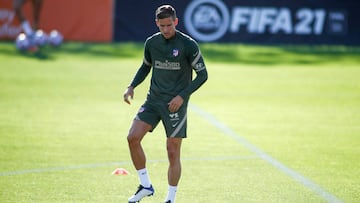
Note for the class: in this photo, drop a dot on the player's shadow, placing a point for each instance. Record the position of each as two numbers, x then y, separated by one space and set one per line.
214 52
105 50
40 54
43 53
93 50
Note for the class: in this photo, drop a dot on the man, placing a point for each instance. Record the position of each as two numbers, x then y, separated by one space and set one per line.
172 56
25 24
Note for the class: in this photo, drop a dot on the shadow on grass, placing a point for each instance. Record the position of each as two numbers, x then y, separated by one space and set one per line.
97 50
222 53
280 54
121 50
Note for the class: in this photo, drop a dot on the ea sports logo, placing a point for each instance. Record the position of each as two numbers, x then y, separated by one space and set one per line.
207 20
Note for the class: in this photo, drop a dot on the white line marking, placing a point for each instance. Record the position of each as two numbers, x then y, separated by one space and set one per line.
291 173
61 168
85 166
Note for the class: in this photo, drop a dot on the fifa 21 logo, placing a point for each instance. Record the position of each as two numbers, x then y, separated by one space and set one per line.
209 20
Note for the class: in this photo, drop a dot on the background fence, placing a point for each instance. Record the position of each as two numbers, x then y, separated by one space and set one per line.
255 21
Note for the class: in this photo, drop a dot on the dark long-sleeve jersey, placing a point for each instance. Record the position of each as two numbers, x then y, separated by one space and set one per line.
172 61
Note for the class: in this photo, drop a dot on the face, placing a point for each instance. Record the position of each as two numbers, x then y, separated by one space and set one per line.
167 26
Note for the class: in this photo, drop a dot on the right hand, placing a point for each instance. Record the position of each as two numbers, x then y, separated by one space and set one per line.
129 92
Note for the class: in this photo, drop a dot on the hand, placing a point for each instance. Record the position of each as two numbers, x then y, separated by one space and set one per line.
175 104
129 92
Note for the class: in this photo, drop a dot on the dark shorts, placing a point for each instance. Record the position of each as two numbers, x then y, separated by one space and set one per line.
174 123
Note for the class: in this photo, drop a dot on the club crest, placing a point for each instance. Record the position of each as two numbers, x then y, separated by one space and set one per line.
142 109
175 52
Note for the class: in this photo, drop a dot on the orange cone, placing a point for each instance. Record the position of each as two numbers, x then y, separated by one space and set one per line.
120 171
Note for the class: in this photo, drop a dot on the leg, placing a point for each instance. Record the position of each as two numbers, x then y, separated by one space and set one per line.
174 172
17 6
37 5
173 150
136 134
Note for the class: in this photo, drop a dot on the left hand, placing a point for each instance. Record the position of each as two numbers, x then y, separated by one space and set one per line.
175 104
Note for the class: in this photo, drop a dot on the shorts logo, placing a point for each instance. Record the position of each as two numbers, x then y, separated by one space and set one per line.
174 118
175 124
142 109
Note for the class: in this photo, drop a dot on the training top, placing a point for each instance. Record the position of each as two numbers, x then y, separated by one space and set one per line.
172 61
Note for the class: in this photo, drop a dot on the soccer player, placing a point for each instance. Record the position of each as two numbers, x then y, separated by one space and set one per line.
172 56
25 24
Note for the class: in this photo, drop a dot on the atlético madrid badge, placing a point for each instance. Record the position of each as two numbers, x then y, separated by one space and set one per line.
175 52
142 109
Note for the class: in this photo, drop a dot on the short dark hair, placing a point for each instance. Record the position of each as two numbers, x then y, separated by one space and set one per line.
165 11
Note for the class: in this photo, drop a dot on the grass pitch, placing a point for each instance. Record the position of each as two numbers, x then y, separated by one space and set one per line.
63 125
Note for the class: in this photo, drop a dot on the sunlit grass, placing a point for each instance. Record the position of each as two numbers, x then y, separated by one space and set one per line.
63 124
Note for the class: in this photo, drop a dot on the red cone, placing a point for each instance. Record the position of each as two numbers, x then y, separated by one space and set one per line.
120 171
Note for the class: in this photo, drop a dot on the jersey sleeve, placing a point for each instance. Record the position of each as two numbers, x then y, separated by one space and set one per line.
147 57
197 63
144 69
195 58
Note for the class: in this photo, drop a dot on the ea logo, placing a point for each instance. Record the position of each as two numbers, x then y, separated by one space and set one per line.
207 20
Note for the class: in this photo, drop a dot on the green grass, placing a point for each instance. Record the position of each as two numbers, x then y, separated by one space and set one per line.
63 125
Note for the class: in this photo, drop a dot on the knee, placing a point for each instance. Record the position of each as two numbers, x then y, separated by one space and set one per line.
173 154
137 132
133 139
17 9
173 149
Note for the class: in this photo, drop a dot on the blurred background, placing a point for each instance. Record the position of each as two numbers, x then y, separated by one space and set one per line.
229 21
